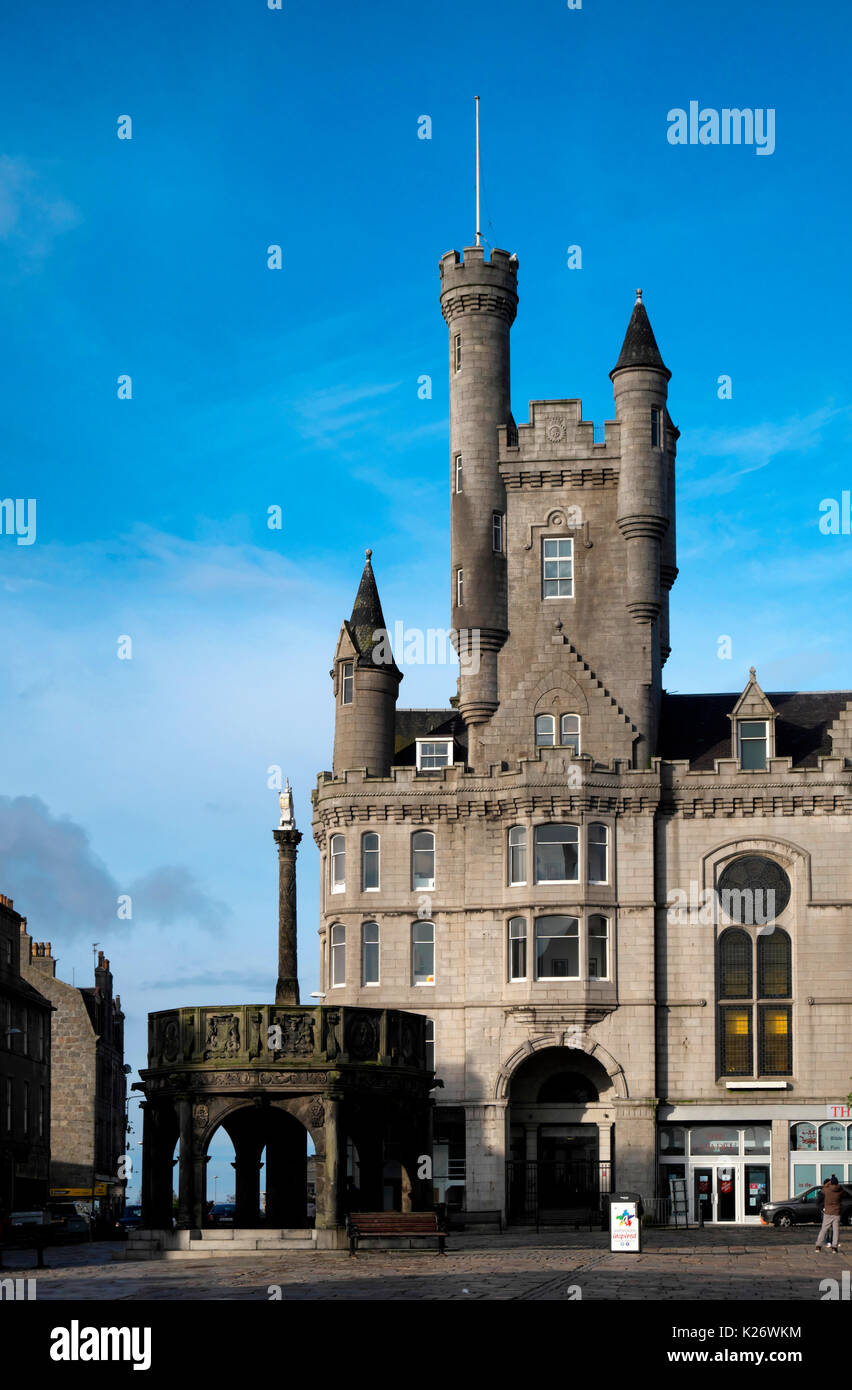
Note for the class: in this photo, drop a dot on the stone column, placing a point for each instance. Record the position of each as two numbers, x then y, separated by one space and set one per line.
287 988
185 1172
328 1198
147 1166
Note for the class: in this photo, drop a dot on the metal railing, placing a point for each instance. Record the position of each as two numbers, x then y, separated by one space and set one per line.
541 1190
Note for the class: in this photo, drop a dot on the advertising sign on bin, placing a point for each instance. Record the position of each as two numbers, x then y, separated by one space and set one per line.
624 1226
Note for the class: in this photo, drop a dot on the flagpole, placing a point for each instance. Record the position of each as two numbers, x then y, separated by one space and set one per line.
478 232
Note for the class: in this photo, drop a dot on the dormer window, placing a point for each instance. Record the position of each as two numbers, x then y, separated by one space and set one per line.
752 744
347 682
434 752
656 427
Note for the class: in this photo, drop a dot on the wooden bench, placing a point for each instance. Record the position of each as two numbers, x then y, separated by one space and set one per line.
416 1225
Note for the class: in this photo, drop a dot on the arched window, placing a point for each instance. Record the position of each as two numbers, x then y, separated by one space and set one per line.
518 854
598 845
545 730
735 976
517 948
423 859
774 965
569 733
598 947
370 861
337 952
557 948
423 953
338 863
556 858
370 953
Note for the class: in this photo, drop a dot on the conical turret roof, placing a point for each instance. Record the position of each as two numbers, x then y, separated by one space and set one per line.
639 348
368 619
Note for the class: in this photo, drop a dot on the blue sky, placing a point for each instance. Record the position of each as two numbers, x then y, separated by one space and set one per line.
298 387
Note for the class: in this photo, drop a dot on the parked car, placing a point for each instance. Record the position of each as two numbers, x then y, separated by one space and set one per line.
805 1209
131 1219
37 1217
67 1223
222 1214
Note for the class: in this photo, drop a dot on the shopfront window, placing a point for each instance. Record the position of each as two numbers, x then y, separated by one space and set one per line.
832 1136
672 1140
803 1137
714 1139
756 1139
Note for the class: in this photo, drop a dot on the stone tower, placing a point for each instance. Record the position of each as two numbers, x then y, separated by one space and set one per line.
366 683
479 300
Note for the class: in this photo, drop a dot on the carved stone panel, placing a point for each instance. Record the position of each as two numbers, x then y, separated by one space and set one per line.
362 1036
223 1035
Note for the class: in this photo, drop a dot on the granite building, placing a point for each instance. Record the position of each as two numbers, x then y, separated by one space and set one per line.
88 1117
24 1075
626 914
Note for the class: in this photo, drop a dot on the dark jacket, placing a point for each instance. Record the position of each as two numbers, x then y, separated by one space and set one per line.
832 1194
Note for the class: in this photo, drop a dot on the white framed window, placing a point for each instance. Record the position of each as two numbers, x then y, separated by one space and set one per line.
434 752
337 953
459 473
497 526
598 947
370 862
569 732
753 744
423 859
457 358
347 682
460 588
556 853
423 953
370 953
557 948
430 1044
337 863
557 568
517 948
598 868
545 730
518 854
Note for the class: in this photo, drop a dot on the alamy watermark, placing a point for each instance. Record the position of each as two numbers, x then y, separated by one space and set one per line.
436 646
18 518
734 906
729 125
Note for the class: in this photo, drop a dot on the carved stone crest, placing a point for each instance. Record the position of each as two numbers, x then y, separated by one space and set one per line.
362 1037
297 1034
223 1035
556 429
316 1113
200 1117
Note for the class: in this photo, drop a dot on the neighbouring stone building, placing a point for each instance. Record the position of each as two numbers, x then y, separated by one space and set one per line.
24 1075
627 915
88 1116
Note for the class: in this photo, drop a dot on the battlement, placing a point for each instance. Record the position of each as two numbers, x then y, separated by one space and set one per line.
557 430
472 283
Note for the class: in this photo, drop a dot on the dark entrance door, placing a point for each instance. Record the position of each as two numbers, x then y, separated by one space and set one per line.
567 1168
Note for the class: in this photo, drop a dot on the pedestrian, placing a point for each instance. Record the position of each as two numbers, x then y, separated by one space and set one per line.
831 1196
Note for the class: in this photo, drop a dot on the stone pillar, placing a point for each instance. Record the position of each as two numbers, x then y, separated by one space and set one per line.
329 1193
287 988
186 1194
485 1147
199 1214
147 1166
779 1177
247 1166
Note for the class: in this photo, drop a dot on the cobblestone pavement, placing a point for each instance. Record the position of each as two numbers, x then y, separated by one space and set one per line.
742 1265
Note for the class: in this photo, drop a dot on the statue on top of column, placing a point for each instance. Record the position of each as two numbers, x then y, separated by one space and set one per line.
288 819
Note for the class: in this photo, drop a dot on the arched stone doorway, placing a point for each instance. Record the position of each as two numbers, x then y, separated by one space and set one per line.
270 1166
559 1140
